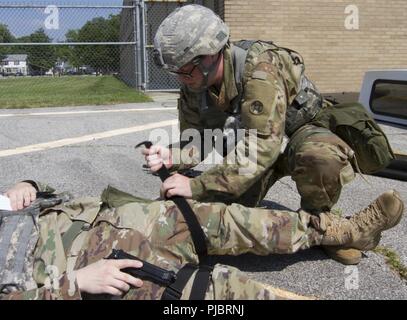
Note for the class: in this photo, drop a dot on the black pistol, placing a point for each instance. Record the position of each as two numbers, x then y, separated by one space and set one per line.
147 272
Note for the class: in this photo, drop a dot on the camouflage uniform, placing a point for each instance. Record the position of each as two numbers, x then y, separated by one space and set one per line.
316 159
156 232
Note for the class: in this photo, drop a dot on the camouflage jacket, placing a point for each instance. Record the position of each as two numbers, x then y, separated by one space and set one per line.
271 81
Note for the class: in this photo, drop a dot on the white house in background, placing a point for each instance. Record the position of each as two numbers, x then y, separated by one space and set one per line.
14 64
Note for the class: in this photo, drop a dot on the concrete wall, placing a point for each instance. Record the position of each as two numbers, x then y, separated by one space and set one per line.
336 58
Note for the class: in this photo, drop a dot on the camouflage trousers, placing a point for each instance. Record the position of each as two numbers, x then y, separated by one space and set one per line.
318 161
236 229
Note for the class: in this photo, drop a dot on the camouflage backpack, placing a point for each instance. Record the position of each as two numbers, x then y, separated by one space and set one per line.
355 126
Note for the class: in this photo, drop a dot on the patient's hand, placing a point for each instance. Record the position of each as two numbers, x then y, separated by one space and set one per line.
21 195
104 276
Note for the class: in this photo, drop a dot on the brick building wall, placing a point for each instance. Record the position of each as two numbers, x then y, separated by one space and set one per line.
336 58
217 6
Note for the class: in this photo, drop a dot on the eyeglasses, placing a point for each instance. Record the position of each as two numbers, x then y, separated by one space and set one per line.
184 74
188 75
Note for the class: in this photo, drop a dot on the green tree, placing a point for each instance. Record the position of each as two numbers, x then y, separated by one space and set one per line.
67 53
104 58
40 58
5 34
5 37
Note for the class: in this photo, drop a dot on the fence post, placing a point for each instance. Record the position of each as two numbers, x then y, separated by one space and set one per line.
137 38
143 27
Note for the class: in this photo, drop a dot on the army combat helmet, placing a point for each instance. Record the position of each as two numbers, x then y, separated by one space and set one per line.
187 33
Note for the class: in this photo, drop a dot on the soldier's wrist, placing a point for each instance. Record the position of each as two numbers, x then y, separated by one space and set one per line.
69 287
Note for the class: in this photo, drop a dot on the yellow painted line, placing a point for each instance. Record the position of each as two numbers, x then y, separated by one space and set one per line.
281 294
90 137
62 113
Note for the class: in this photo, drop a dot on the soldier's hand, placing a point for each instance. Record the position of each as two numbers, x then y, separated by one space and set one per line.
156 156
176 185
104 276
21 195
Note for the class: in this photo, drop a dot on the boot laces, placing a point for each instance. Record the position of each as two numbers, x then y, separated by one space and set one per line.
368 217
341 231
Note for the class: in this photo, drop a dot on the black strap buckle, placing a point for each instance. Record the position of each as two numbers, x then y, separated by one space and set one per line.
171 293
174 290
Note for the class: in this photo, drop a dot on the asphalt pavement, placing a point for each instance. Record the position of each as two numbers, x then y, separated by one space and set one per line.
84 149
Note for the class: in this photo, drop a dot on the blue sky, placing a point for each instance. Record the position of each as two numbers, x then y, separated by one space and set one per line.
23 22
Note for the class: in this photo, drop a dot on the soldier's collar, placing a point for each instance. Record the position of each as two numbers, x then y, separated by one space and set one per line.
229 74
228 90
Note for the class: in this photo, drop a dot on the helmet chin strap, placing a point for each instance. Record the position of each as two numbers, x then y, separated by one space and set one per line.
206 73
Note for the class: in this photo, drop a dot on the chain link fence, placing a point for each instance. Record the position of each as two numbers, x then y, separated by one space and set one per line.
113 38
42 39
155 14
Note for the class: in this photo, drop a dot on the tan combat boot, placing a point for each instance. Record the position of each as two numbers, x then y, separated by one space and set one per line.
363 230
347 256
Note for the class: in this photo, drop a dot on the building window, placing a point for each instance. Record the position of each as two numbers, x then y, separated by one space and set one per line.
389 98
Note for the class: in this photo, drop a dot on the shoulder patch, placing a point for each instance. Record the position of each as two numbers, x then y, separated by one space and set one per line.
258 74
